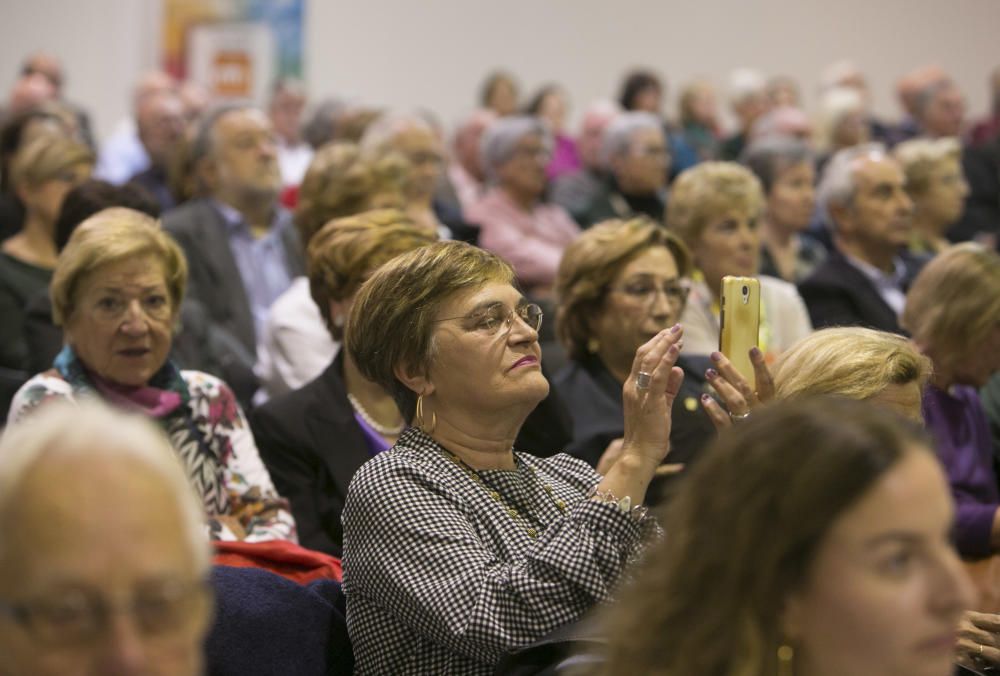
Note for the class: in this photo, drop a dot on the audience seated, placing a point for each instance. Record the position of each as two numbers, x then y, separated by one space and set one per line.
864 280
937 188
499 93
573 191
642 91
715 208
842 122
288 101
159 119
48 67
953 313
610 302
42 172
785 169
116 290
550 106
465 170
241 246
634 151
314 439
515 222
296 345
456 547
845 74
699 119
104 564
748 101
812 539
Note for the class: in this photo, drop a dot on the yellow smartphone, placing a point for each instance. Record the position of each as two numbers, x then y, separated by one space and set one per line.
739 322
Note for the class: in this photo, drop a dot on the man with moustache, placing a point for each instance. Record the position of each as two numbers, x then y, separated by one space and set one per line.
864 280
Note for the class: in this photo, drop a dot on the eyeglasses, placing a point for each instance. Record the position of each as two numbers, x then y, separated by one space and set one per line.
496 317
676 291
80 616
112 308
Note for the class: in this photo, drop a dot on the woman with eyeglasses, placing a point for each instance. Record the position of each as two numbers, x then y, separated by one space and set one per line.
619 284
117 292
457 546
716 208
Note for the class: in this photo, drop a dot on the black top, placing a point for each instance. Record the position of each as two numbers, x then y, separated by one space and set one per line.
593 397
19 283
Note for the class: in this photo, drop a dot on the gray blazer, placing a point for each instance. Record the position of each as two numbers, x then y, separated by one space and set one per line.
213 278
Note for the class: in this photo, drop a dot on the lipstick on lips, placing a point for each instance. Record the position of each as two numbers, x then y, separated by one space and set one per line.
524 361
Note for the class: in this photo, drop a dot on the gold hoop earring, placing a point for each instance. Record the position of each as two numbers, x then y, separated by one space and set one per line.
420 417
786 656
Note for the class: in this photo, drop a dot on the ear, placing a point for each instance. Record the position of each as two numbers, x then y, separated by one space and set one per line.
414 379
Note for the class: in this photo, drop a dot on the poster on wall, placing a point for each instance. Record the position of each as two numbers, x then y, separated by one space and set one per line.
235 48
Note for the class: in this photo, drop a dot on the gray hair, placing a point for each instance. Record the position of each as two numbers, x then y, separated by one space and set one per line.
770 156
498 142
62 429
380 134
321 126
618 134
838 186
204 136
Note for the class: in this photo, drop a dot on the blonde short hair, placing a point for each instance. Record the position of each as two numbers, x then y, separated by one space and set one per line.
392 320
93 429
706 193
919 158
592 262
111 236
954 302
346 250
48 157
852 362
341 182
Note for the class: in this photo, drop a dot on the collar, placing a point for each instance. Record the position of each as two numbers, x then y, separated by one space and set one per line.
878 276
236 223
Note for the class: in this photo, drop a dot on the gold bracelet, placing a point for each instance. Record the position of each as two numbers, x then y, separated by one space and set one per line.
624 505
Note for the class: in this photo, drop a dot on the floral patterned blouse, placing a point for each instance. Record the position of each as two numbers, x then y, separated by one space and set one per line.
211 436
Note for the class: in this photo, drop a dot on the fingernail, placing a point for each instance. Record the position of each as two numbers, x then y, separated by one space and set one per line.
673 350
706 398
675 328
755 352
716 356
711 374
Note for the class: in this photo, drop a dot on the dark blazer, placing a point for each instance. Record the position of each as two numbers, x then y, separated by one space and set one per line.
213 277
312 445
838 294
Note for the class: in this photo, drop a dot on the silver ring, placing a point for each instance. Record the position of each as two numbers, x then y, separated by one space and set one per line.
739 418
642 380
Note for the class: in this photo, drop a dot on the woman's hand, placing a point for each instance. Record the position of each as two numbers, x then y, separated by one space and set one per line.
647 400
734 390
614 451
979 642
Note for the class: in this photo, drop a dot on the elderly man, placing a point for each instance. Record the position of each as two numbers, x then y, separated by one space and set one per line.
241 246
160 122
636 155
104 559
864 280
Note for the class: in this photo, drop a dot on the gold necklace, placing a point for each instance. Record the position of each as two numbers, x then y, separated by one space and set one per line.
495 494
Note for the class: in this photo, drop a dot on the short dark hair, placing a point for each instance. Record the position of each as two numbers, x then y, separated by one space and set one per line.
92 196
634 84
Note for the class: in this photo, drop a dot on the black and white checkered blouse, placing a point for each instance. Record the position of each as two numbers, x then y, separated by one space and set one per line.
441 579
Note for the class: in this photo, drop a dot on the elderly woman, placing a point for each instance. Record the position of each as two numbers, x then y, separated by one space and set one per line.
514 220
116 292
550 105
456 546
699 119
42 172
838 560
785 168
937 187
294 431
296 345
953 313
619 284
716 208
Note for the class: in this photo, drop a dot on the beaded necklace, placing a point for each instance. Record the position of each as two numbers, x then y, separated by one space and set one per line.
384 430
493 493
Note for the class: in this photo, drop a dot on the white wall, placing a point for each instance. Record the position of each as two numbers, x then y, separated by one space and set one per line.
434 53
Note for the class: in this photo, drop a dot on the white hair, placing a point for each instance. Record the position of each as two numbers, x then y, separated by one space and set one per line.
618 134
838 185
745 82
382 132
499 141
62 429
